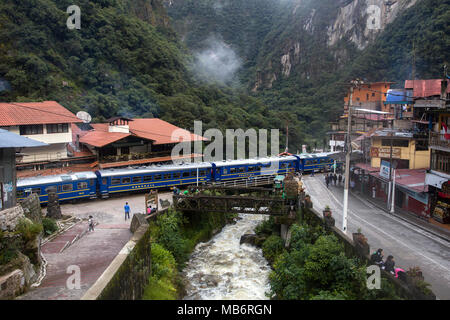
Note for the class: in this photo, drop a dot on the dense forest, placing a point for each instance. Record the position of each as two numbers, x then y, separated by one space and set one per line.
137 58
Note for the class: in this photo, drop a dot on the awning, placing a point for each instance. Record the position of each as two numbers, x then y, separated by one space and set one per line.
435 180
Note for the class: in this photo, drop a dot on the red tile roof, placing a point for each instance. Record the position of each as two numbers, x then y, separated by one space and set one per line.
425 88
161 132
156 130
23 113
102 138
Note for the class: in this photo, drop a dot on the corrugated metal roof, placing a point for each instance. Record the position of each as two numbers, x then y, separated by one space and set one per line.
26 113
12 140
425 88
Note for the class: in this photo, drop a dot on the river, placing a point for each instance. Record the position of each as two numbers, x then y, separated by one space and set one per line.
222 269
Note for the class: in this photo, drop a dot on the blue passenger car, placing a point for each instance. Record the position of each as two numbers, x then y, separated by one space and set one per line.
68 187
145 178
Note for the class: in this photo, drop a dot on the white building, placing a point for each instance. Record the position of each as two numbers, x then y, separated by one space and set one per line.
47 122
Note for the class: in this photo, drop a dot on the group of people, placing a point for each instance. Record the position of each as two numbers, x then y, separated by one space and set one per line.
333 178
387 265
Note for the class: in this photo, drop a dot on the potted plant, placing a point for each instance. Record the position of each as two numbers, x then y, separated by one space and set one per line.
360 242
327 216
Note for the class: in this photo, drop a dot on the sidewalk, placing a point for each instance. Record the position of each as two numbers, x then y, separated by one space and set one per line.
431 226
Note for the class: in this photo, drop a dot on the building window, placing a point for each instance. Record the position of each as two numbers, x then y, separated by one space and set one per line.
31 129
395 143
57 128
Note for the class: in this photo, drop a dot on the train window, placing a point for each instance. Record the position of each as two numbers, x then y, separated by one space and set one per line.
37 190
67 187
177 175
242 169
186 174
225 171
158 177
20 193
308 162
147 178
167 176
250 169
232 170
284 165
51 189
126 180
202 172
258 168
91 182
115 181
81 185
315 161
217 171
104 181
137 179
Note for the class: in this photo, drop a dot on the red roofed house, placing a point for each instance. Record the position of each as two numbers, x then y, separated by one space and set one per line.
126 142
47 122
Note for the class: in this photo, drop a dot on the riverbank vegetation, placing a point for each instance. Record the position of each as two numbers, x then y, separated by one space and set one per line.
174 236
315 267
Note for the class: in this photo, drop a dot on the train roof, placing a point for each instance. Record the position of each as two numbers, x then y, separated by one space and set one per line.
316 155
32 181
153 169
254 161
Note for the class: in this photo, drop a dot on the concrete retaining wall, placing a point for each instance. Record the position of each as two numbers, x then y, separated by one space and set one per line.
9 218
127 275
404 289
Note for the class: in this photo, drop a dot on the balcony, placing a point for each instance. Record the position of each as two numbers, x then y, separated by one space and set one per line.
438 141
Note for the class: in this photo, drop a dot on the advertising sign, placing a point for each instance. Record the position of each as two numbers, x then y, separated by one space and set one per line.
384 169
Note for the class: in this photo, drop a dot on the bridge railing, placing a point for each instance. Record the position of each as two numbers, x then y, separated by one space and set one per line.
245 182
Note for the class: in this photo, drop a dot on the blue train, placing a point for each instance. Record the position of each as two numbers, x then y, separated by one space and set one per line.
103 183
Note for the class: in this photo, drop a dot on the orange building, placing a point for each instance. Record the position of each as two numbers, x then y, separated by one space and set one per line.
369 96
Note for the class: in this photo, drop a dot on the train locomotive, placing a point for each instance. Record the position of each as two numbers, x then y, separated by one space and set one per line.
104 183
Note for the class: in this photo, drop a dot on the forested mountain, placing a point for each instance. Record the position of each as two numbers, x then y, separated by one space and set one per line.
230 63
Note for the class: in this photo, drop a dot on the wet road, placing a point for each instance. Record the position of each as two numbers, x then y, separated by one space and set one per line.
410 246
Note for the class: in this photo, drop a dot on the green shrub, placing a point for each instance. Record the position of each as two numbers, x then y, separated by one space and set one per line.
28 229
266 227
161 283
49 226
272 248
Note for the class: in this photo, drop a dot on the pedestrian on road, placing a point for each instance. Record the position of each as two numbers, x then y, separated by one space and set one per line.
327 180
389 264
91 224
335 179
340 179
127 211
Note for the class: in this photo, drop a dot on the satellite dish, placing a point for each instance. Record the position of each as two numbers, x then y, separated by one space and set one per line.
84 116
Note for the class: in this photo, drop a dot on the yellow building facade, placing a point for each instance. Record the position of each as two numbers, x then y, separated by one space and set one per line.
408 153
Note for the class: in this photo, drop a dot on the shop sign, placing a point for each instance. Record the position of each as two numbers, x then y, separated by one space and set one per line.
419 196
384 169
385 152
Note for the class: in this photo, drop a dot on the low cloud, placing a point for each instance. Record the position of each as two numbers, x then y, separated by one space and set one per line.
217 62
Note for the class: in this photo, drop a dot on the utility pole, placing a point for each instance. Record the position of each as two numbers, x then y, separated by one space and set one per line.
393 196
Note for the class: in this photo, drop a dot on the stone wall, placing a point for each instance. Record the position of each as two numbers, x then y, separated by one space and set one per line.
9 218
404 289
127 275
32 208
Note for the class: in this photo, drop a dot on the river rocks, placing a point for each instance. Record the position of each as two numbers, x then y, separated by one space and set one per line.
252 239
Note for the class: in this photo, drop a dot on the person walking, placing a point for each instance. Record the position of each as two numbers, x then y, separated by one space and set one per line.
335 179
91 224
340 179
127 211
327 180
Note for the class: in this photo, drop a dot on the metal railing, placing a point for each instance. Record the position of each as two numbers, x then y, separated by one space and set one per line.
439 140
245 182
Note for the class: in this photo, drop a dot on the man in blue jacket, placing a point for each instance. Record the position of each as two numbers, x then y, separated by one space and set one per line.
127 211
